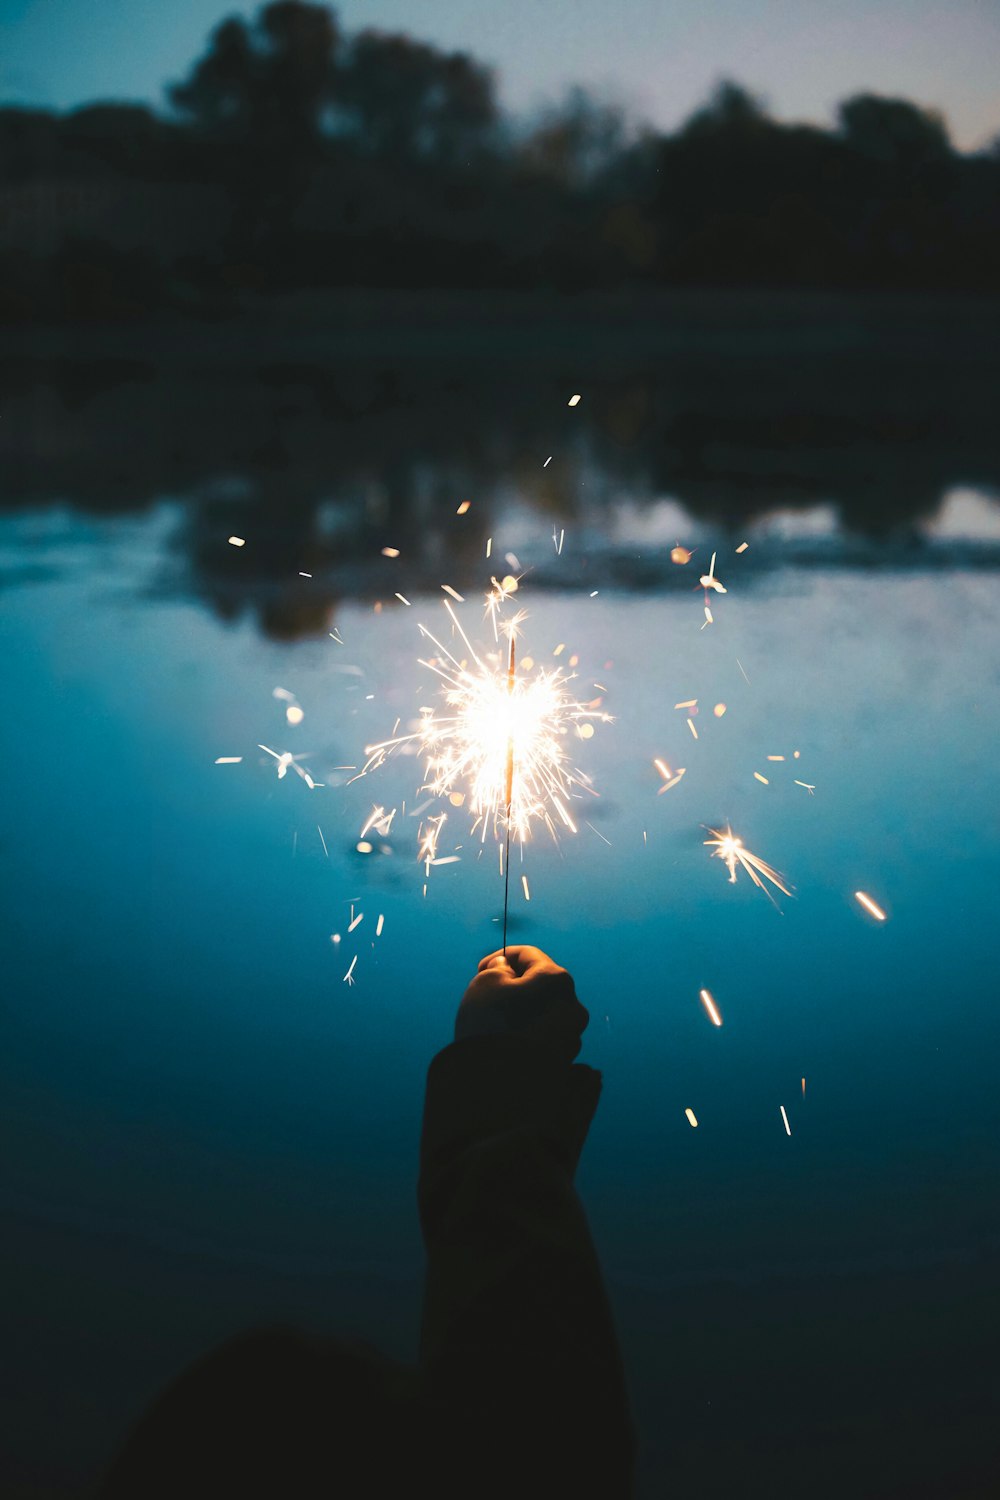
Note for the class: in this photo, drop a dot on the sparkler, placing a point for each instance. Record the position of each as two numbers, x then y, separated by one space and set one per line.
501 741
731 851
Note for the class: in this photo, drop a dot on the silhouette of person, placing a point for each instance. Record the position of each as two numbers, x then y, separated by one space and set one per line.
519 1388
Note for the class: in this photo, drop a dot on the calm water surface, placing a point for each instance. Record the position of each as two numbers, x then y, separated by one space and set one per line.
206 1127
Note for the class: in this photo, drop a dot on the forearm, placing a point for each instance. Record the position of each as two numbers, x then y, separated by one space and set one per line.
516 1320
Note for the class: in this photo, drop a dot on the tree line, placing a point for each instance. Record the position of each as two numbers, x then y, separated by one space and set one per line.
296 155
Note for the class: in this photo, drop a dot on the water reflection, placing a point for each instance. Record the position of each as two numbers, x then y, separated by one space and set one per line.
321 462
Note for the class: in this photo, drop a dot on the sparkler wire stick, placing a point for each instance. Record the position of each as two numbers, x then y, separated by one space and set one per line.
510 795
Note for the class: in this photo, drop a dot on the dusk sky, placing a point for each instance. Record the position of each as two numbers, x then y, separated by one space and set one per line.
661 57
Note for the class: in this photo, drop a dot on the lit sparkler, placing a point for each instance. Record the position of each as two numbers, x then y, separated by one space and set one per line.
502 739
731 851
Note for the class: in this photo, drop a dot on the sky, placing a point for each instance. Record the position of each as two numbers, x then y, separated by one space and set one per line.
659 57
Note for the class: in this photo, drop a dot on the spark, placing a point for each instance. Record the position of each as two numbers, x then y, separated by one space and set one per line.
691 1119
719 710
775 757
447 859
380 924
558 543
709 617
305 575
390 551
788 1128
348 979
524 883
489 545
403 601
463 508
709 581
688 703
453 592
428 839
809 786
574 401
669 777
680 555
598 832
363 847
237 541
731 851
869 905
294 714
803 1088
335 636
745 677
710 1006
547 462
284 759
492 720
692 728
356 922
594 594
761 778
228 760
380 820
322 841
742 547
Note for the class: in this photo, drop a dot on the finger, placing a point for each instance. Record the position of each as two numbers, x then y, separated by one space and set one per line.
524 958
492 961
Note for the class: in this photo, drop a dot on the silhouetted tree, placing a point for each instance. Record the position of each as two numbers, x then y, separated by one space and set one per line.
407 101
269 82
577 141
731 110
893 131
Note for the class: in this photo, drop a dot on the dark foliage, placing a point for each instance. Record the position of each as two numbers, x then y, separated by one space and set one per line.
294 155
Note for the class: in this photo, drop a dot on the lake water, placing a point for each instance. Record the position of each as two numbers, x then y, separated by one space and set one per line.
206 1127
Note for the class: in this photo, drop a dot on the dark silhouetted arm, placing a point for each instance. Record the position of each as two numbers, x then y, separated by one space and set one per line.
518 1341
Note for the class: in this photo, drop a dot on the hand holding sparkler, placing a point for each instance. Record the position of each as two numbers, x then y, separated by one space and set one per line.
524 994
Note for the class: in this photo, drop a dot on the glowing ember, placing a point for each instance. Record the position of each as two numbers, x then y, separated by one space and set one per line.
463 508
730 850
869 905
692 1121
709 581
710 1006
237 541
680 555
574 401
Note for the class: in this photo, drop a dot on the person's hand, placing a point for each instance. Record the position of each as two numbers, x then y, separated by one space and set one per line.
524 994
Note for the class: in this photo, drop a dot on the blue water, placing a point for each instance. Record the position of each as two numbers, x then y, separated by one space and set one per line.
206 1127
